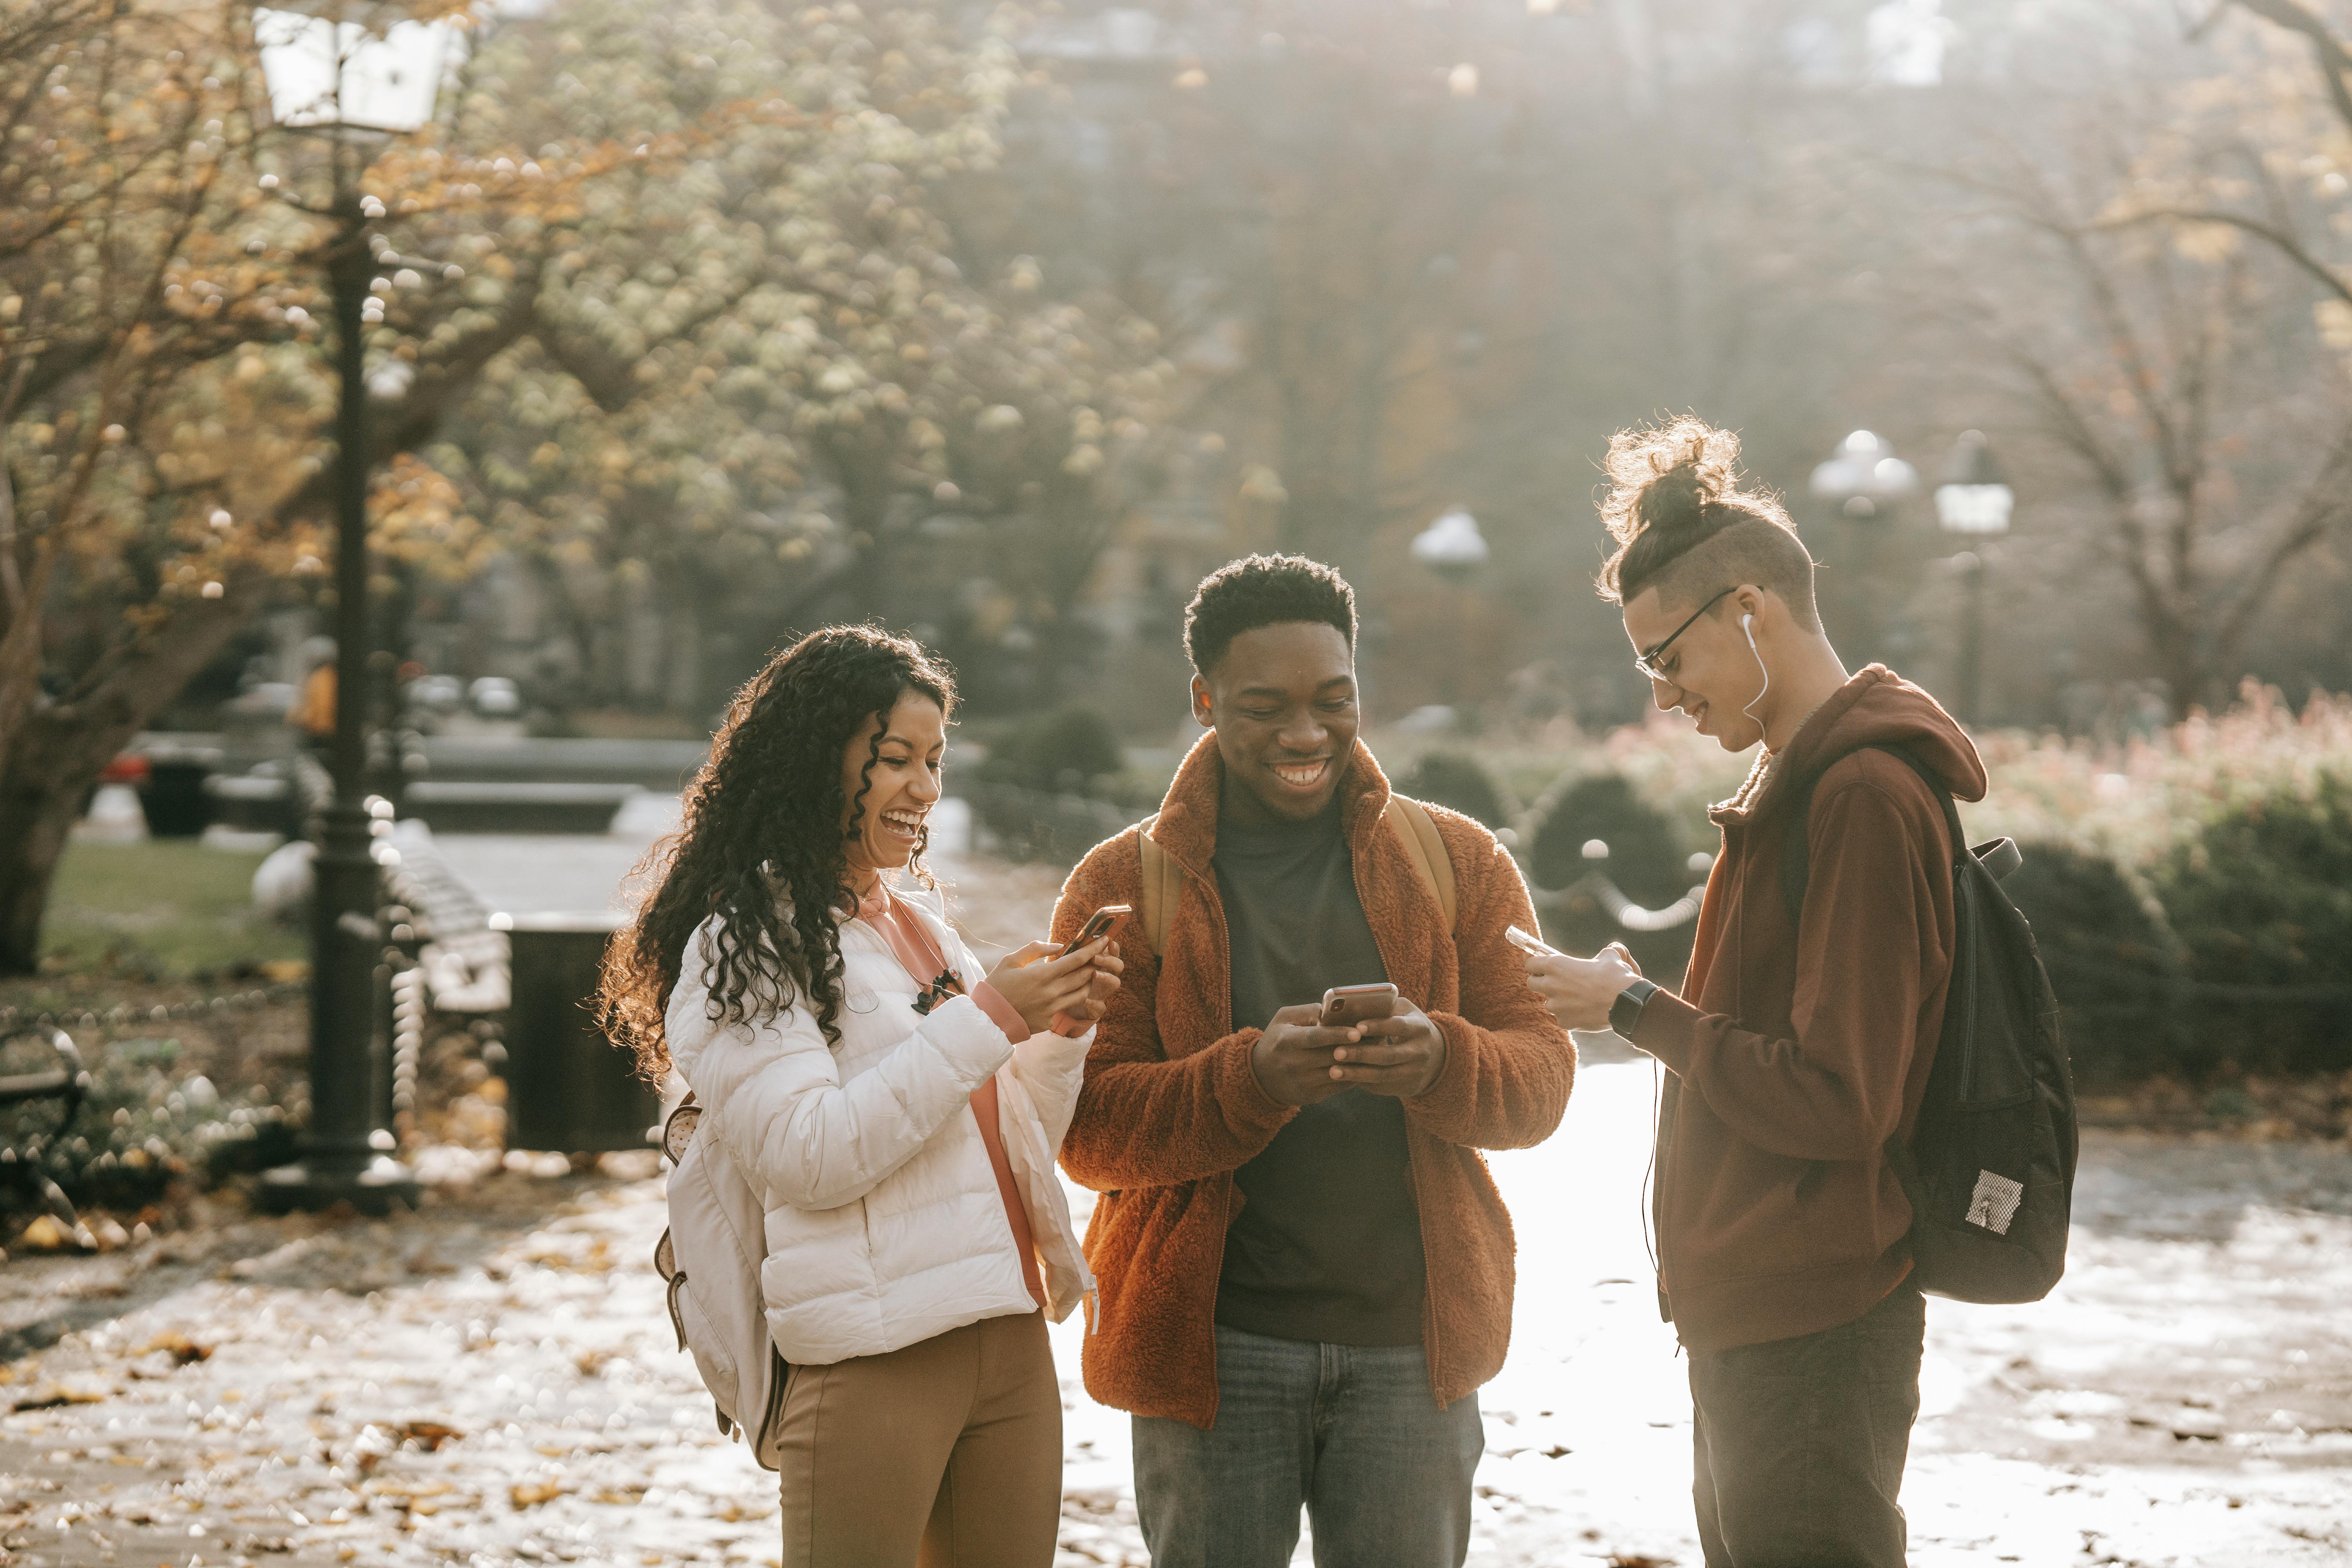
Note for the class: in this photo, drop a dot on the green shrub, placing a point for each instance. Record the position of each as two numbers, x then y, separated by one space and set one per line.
2115 967
1458 782
1070 751
140 1130
1645 861
2262 901
1647 858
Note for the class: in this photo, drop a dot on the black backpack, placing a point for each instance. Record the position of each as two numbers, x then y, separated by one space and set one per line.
1990 1168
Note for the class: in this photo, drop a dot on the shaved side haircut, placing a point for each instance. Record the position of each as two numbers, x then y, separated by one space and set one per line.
1684 526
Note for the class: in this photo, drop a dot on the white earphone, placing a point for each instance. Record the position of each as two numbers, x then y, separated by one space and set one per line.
1747 626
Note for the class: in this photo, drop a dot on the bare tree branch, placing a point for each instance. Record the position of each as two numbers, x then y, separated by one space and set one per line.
2273 235
2325 506
2335 59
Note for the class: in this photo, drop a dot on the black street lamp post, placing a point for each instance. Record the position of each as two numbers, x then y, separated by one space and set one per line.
326 75
1866 483
1973 502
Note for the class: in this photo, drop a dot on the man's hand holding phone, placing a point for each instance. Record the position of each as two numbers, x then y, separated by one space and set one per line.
1361 1037
1400 1055
1581 991
1292 1057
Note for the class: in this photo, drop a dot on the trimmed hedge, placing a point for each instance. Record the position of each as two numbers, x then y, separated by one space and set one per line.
1070 751
2261 902
2115 967
1458 784
1647 858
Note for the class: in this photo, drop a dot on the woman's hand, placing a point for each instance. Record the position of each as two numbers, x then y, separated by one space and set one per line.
1108 967
1039 984
1581 991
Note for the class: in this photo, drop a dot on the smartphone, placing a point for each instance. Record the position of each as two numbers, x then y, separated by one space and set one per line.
1534 946
1109 920
1346 1004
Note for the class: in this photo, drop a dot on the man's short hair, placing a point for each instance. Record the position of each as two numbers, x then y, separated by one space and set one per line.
1684 526
1263 590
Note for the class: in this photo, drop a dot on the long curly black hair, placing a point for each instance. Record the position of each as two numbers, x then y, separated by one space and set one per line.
761 846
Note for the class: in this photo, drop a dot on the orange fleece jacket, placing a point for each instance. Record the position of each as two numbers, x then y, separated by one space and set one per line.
1796 1054
1170 1108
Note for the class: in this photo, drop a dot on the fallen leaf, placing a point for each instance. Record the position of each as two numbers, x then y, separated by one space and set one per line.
734 1511
182 1349
58 1394
44 1234
428 1435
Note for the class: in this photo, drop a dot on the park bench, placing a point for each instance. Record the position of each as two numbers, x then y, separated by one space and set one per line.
475 805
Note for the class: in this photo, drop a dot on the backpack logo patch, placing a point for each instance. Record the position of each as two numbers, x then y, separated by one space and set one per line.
1994 1203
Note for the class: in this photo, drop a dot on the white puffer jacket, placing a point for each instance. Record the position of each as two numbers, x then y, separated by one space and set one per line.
885 1226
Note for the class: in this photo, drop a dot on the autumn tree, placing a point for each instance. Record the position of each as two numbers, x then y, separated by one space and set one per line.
627 219
846 412
2184 437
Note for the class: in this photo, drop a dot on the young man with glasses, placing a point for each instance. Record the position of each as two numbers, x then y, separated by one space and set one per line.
1796 1050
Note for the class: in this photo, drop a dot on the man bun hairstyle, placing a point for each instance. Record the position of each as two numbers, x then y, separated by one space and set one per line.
1263 590
1684 526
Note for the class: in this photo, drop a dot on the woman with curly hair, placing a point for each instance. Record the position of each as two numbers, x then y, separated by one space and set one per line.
898 1113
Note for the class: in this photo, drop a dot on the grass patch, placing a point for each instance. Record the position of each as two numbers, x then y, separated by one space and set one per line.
162 909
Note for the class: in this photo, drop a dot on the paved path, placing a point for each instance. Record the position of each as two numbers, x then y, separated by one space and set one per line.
494 1382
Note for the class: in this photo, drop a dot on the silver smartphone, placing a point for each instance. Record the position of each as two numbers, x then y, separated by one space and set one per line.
1533 946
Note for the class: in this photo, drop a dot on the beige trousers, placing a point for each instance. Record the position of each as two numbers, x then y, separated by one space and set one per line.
947 1454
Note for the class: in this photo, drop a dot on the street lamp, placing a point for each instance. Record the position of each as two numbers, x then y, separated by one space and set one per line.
357 87
1864 481
1451 547
1973 502
1863 476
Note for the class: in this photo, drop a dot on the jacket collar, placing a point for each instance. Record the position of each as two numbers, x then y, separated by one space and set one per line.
1186 826
1874 707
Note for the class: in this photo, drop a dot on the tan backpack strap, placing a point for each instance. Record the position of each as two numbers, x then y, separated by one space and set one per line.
1162 882
1410 822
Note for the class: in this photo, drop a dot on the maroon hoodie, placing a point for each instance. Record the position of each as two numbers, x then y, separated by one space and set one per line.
1795 1053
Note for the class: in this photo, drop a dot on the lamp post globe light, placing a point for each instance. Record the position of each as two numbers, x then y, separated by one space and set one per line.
357 86
1973 502
1863 477
1451 547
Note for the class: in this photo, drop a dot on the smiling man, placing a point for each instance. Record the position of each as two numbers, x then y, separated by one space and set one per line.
1305 1273
1799 1047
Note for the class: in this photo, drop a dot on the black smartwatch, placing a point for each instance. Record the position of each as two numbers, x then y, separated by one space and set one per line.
1625 1012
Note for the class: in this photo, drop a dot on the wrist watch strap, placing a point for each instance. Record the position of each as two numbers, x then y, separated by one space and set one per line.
1625 1012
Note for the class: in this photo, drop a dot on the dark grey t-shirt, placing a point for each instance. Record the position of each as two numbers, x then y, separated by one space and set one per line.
1327 1247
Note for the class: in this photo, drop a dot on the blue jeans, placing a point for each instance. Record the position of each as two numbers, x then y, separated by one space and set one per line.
1350 1432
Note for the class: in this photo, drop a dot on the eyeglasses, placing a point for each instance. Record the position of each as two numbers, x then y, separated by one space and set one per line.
1646 661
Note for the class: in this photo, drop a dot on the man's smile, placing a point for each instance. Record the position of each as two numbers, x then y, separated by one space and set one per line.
1301 775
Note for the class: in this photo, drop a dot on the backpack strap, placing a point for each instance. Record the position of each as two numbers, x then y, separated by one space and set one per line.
1409 820
1795 869
1162 880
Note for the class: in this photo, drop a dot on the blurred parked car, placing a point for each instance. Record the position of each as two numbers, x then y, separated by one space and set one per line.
495 696
440 695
